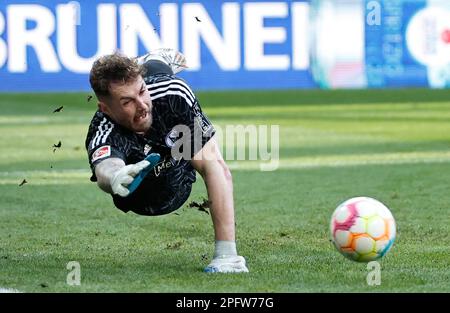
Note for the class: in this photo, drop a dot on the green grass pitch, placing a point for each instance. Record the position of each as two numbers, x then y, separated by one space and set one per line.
393 145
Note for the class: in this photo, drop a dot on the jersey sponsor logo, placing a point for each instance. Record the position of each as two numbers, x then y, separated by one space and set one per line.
101 152
164 165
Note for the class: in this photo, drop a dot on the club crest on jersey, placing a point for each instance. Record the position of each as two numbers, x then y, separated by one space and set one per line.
147 149
101 152
171 138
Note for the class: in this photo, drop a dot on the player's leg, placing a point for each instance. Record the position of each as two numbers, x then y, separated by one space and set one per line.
175 61
154 67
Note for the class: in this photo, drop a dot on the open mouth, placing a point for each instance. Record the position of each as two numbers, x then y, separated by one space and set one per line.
141 116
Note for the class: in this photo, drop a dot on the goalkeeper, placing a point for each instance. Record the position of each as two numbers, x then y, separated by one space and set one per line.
144 113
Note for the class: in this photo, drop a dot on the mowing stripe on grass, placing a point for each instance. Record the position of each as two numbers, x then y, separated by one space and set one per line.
77 176
9 290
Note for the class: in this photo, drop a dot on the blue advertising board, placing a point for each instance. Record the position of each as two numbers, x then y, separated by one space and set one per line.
49 45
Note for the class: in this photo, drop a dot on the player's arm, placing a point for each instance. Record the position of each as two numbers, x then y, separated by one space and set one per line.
207 160
218 180
209 163
113 176
105 171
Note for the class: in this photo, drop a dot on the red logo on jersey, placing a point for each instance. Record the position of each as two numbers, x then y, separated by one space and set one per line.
101 152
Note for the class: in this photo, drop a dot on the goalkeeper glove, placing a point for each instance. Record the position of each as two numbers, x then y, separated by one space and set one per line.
124 176
227 264
127 179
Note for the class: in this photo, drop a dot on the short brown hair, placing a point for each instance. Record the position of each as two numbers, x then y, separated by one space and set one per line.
113 68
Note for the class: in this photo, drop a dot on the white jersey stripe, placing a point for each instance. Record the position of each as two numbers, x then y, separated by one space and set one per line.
169 81
103 131
111 126
154 87
186 86
155 92
165 82
175 92
98 132
173 86
102 127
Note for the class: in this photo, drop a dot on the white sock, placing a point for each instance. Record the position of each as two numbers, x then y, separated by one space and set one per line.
225 247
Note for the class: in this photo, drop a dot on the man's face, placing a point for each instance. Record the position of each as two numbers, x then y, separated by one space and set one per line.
129 105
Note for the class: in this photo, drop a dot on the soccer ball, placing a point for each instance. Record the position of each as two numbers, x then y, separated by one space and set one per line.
362 229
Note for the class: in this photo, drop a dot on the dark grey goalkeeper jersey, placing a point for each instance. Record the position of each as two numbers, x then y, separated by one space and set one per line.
168 185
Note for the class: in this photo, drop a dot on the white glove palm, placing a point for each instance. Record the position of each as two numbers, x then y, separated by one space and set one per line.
227 264
124 176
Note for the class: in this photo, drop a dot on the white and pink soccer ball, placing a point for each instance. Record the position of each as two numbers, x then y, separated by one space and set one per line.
362 229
